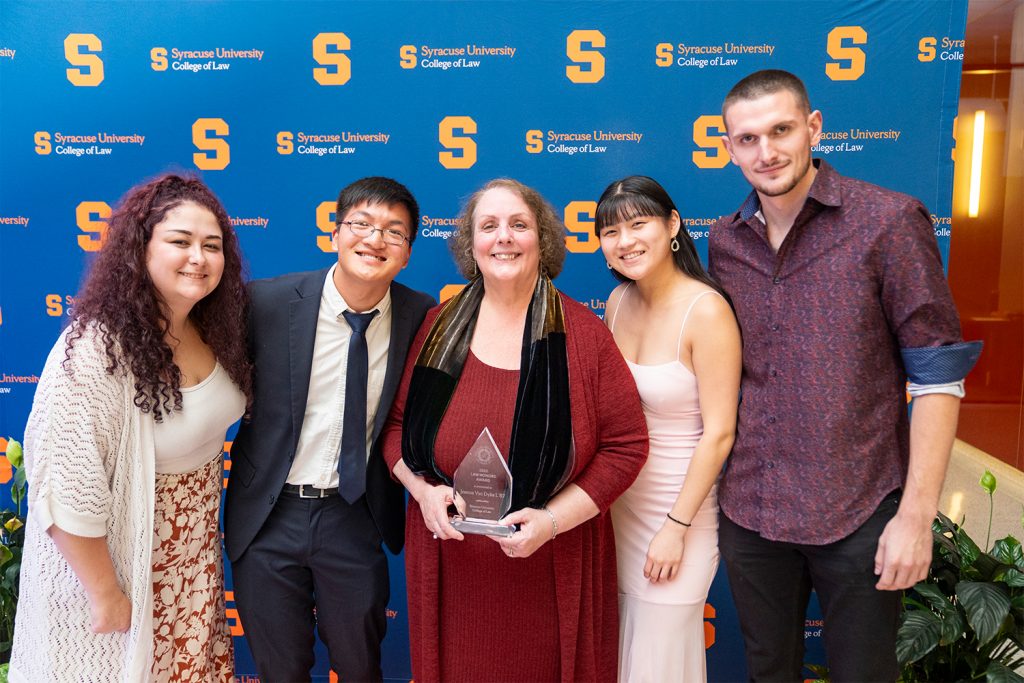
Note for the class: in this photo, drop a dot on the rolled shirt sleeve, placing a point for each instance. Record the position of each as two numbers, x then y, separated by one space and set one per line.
919 307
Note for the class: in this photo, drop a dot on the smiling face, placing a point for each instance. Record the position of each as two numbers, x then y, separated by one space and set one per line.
770 139
185 256
506 244
640 246
370 260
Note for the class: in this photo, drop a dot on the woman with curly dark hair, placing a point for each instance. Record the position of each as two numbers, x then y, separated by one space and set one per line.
122 575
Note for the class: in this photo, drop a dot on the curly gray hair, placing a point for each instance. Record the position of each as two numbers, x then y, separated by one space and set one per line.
550 229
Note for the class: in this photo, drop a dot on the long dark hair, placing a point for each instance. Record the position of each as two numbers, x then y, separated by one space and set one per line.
121 300
639 195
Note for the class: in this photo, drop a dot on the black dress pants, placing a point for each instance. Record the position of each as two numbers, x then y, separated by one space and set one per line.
316 563
771 584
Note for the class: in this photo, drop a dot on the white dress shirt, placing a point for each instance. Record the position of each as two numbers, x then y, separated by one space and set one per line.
316 457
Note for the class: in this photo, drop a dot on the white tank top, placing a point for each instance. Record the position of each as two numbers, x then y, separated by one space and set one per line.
190 438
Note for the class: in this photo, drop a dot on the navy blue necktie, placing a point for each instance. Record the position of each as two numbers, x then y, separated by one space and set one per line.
352 459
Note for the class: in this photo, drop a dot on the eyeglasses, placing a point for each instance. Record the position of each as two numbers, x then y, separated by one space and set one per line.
389 235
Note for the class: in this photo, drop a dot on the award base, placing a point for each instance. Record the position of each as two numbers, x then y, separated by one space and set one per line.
483 527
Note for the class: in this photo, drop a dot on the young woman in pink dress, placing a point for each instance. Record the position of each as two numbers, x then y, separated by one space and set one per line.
679 336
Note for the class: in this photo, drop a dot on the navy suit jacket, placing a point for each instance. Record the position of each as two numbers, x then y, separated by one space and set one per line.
282 330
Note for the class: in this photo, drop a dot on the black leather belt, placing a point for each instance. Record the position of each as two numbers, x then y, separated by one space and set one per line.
303 491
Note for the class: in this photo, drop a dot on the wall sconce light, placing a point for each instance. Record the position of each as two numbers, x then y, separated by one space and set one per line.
977 149
978 154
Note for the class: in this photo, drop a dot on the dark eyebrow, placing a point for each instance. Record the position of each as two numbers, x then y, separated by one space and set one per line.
785 122
368 218
189 233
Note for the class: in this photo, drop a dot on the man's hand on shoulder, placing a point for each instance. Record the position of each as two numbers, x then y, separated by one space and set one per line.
904 551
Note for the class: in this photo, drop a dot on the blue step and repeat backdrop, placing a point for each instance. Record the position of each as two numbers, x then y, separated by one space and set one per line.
279 104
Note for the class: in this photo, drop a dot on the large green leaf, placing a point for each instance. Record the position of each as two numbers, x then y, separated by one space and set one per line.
918 635
1008 551
5 555
968 549
986 606
933 595
953 627
999 673
1014 577
952 621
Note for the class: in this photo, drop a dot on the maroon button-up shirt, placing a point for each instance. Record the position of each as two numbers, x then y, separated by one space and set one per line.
823 431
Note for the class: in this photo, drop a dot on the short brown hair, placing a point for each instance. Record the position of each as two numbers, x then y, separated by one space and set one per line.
768 82
550 228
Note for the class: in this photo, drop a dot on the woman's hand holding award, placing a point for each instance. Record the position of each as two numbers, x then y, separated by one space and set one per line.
483 490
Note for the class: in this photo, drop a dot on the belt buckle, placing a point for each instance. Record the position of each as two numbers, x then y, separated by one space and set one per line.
302 493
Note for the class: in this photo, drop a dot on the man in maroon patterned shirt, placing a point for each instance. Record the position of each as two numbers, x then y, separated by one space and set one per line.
840 294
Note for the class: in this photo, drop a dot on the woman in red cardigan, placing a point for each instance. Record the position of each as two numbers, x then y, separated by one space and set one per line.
544 377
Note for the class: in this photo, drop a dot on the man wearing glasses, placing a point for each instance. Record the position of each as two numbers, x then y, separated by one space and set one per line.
310 500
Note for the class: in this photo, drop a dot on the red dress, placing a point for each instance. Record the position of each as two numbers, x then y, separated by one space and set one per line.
486 635
475 614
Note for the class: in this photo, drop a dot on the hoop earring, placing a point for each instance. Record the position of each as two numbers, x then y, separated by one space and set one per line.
675 244
609 265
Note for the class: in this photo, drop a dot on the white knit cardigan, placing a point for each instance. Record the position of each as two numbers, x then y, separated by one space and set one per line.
89 458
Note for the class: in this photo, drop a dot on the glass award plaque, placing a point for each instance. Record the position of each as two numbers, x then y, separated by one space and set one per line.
483 490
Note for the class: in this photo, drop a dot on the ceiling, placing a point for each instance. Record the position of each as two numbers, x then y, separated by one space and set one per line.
990 24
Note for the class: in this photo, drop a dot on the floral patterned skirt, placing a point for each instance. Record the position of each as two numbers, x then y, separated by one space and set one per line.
191 640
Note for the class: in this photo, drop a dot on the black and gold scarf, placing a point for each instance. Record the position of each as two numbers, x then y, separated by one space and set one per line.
540 456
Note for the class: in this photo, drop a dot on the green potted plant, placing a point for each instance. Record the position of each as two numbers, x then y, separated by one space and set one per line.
12 540
965 621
